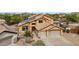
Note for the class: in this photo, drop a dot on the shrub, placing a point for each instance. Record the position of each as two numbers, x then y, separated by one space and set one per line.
29 40
27 33
28 36
39 43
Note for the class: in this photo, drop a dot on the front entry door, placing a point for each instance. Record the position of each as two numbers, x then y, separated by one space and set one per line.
33 28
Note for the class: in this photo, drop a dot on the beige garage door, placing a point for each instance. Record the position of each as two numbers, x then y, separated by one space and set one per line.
50 35
54 35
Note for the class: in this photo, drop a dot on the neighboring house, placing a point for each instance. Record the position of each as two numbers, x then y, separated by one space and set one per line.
35 22
7 38
74 28
7 34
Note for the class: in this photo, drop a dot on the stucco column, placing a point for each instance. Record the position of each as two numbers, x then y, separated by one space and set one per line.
61 32
46 33
30 27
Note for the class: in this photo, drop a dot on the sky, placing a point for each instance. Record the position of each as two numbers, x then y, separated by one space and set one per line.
37 6
48 12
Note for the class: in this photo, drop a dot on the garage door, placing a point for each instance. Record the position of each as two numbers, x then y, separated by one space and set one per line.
54 34
50 35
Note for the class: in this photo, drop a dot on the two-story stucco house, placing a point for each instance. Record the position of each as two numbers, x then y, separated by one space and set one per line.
38 22
35 21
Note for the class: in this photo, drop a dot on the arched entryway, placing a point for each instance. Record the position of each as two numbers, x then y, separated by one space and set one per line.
33 28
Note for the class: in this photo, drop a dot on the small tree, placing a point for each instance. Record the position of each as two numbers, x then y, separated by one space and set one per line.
28 37
27 33
72 17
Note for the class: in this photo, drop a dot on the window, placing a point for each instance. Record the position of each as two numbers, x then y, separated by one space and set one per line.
40 21
33 23
25 28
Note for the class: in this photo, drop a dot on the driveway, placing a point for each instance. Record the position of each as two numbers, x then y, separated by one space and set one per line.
55 40
74 38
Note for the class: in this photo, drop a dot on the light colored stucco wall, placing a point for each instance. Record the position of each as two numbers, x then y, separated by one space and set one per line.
44 24
38 25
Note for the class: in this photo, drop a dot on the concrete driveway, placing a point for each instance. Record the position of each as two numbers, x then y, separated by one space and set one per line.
55 40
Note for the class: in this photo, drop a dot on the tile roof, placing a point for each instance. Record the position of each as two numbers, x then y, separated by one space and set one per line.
5 27
23 22
30 19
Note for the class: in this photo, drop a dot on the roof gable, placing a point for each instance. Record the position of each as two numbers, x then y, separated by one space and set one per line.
51 27
5 27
